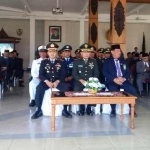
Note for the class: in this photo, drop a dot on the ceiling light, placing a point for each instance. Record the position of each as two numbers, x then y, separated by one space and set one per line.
57 10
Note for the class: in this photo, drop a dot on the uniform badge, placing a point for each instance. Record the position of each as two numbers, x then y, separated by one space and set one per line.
80 65
47 71
80 71
47 67
70 65
124 67
85 45
91 65
57 66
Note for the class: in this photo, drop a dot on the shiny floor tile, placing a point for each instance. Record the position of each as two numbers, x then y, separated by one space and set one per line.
100 132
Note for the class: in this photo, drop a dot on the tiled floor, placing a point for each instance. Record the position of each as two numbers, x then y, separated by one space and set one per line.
100 132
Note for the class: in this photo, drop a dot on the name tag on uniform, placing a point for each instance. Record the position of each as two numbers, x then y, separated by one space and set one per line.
80 65
70 65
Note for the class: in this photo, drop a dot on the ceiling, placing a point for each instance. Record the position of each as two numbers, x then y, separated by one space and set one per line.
73 10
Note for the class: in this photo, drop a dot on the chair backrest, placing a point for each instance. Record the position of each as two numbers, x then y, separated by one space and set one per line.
133 70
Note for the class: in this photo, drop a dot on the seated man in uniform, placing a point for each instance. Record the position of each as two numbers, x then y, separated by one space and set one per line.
83 69
77 53
106 53
117 74
52 74
100 61
93 52
68 61
35 74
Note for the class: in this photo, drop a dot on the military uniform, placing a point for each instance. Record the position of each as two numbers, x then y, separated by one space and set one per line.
35 76
84 69
93 52
50 70
77 52
100 62
68 61
106 53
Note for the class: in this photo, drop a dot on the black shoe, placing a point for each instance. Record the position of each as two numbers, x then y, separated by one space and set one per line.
89 112
66 114
80 113
113 113
135 114
69 115
142 94
32 104
37 114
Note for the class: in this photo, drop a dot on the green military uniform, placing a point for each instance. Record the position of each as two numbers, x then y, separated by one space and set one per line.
84 69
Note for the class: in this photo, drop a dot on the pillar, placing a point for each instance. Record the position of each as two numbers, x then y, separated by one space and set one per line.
118 23
32 38
81 31
93 23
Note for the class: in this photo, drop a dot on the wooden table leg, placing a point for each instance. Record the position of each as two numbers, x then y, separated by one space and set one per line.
132 116
122 115
53 119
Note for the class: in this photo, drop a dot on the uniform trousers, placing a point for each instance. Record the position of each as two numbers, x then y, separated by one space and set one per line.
42 87
32 87
78 86
127 86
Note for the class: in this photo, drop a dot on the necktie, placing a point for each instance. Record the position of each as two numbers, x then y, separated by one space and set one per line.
85 60
118 69
145 65
52 61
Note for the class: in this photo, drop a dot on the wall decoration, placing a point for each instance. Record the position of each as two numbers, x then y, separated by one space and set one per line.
54 33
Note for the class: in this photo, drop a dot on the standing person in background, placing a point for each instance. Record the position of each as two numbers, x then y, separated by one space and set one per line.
136 49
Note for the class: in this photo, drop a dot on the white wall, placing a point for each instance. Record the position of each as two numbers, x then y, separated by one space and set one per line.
70 33
11 25
134 35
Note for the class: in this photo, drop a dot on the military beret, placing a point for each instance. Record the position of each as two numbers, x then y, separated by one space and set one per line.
60 51
67 48
6 51
116 46
52 46
106 50
42 48
85 47
145 55
100 50
93 48
77 51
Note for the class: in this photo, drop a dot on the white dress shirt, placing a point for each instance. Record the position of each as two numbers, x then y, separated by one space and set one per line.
35 67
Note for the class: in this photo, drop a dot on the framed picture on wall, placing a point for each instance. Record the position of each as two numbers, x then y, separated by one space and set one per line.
54 33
